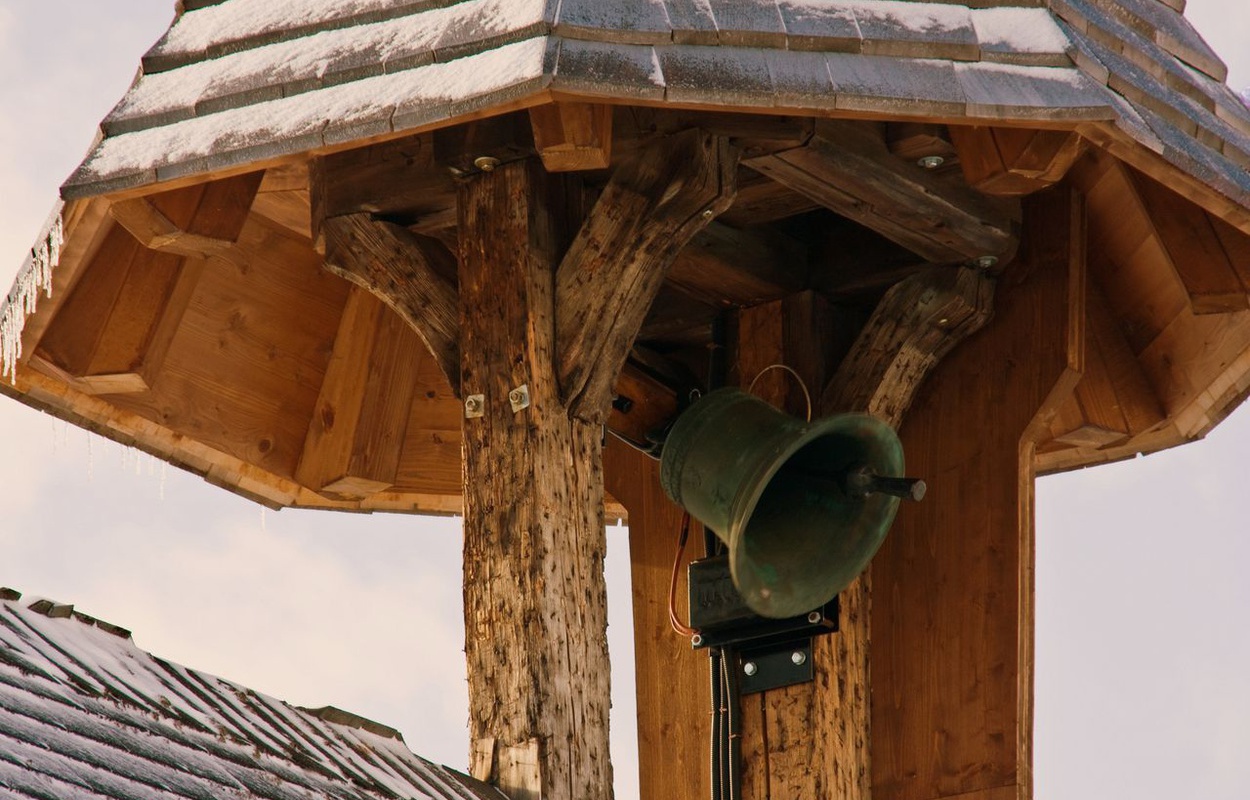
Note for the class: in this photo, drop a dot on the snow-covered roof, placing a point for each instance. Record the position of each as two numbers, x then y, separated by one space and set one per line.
237 82
85 714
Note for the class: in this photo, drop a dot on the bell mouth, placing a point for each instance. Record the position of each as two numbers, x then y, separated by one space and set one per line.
797 536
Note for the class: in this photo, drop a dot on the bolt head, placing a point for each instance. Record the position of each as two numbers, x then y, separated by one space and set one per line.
931 162
696 640
750 668
516 396
815 617
986 262
708 214
486 163
473 404
799 658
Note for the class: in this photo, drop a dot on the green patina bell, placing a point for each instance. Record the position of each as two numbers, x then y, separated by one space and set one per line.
802 506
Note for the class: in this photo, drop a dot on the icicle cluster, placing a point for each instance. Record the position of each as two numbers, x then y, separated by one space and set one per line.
35 274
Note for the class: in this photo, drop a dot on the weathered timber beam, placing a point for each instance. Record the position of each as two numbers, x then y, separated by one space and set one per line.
572 136
724 266
1009 162
112 333
198 221
358 427
616 264
535 603
402 270
915 325
847 168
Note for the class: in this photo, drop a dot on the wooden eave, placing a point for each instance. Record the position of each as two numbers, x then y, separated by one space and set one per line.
235 286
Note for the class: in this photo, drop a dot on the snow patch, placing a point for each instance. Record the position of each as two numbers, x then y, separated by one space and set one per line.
1020 30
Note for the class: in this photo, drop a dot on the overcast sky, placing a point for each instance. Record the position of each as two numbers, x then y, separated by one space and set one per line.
1142 645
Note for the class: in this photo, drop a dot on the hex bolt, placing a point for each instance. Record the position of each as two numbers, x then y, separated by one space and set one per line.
986 262
815 617
749 669
519 398
486 163
696 640
931 162
709 213
474 406
799 658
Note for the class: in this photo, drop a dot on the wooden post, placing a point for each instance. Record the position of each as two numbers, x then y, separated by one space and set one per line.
535 603
952 613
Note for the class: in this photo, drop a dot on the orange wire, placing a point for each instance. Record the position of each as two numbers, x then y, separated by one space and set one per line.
678 626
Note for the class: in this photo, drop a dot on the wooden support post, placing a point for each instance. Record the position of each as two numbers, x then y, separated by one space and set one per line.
535 603
952 613
674 721
573 136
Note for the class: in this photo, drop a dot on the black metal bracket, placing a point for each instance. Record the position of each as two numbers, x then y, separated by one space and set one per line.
770 653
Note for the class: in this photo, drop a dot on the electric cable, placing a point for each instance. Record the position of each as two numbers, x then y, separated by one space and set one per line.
678 626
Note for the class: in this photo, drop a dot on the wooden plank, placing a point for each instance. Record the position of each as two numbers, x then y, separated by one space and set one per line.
401 269
848 169
1194 248
1009 162
954 579
535 603
726 267
616 264
671 680
196 221
572 137
360 422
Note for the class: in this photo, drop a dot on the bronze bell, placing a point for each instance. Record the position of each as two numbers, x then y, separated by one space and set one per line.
801 506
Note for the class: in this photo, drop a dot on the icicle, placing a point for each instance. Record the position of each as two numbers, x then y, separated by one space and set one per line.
163 465
138 464
264 520
90 461
34 275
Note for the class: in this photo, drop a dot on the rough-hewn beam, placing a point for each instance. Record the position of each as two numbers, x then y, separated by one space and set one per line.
650 209
403 271
358 427
915 325
198 221
572 136
1009 162
535 604
847 168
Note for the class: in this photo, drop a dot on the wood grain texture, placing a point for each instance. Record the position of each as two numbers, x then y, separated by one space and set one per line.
402 270
1010 162
952 614
727 267
611 273
535 602
572 137
360 423
674 726
196 221
848 168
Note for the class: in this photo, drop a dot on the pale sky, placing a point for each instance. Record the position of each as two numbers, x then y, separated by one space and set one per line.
1142 644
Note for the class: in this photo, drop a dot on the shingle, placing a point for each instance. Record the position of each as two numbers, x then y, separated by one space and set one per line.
606 68
800 79
1005 91
749 23
624 21
1172 31
692 21
916 30
820 26
729 76
1021 36
907 86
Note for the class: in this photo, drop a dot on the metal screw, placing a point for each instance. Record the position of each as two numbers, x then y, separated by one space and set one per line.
486 163
696 640
749 669
931 162
799 658
474 406
519 398
708 214
815 617
986 262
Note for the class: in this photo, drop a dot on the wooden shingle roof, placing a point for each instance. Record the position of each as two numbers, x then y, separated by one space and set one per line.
244 81
85 714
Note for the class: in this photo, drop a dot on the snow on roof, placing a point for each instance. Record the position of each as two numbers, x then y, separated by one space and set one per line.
242 81
84 713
